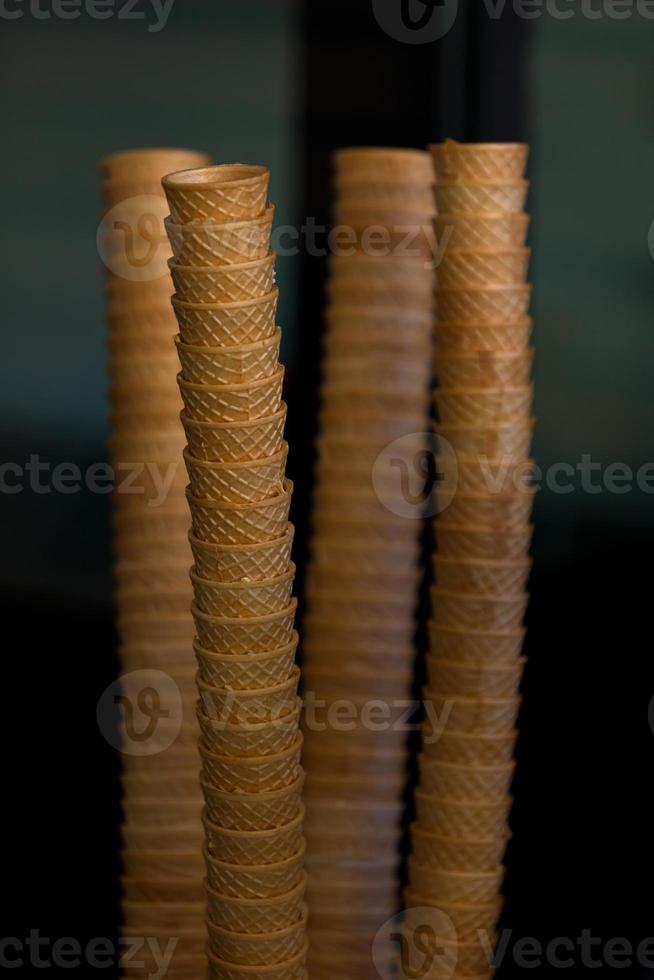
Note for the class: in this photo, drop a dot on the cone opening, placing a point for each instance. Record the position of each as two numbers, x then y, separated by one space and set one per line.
205 178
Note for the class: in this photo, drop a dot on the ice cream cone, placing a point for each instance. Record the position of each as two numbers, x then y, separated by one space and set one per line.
247 740
331 682
461 645
481 197
482 576
244 599
258 634
328 553
483 369
398 290
253 811
458 887
510 336
480 680
481 231
487 716
329 578
492 510
184 838
492 302
255 774
459 783
148 575
226 283
226 324
466 819
376 427
320 757
376 819
472 748
148 813
479 161
264 948
390 194
233 402
457 541
237 563
237 482
361 329
218 243
291 969
219 193
252 706
510 438
255 847
378 788
358 608
452 854
161 865
373 164
378 368
230 365
236 441
249 671
179 783
241 523
469 406
478 611
255 881
461 268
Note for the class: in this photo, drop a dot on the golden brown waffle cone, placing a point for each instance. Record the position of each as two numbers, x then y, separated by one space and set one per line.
461 541
221 193
452 854
180 783
468 818
161 865
233 402
389 195
255 881
238 707
183 919
492 302
493 510
473 748
224 284
461 268
226 324
458 887
487 716
247 740
291 969
248 481
511 438
461 337
493 681
230 365
185 837
481 197
479 161
251 915
255 847
482 576
478 611
234 563
252 670
204 243
481 231
255 635
236 441
374 164
241 523
261 949
467 405
257 774
459 783
483 369
330 681
253 811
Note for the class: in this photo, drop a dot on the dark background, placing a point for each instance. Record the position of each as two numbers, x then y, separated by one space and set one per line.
282 83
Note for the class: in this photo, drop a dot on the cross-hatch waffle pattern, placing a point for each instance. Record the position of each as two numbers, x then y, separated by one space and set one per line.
363 579
474 664
248 709
162 832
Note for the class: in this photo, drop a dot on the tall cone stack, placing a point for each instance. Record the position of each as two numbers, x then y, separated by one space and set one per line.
231 384
363 576
162 834
474 665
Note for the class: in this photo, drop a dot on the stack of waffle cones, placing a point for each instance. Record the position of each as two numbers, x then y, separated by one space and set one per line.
162 893
474 665
248 710
362 586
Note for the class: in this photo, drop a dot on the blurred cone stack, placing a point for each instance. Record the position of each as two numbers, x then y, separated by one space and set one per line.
474 665
162 838
363 576
248 710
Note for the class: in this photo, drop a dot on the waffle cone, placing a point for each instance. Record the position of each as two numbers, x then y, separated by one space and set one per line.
224 284
233 402
121 191
479 542
340 425
179 919
472 748
372 164
319 756
330 682
252 706
333 577
373 818
459 887
258 634
230 365
484 369
151 576
182 783
150 813
292 969
220 193
256 774
244 599
482 576
236 441
231 324
249 481
237 563
461 268
479 161
161 865
460 783
481 231
389 195
342 554
382 288
378 368
487 716
510 438
248 740
243 523
204 243
465 819
249 671
454 643
361 329
510 336
481 197
124 295
453 854
491 510
255 881
325 638
481 406
352 609
255 847
480 680
262 949
253 811
184 838
355 399
493 613
493 302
